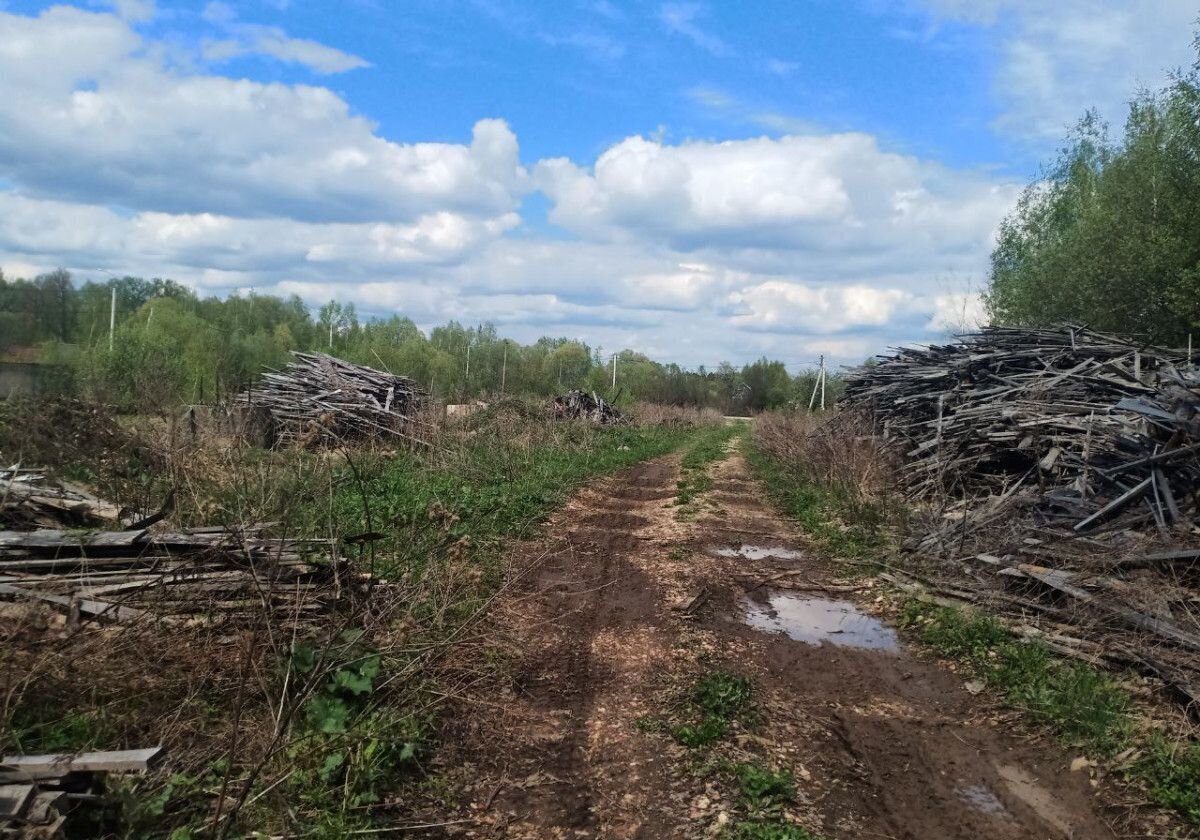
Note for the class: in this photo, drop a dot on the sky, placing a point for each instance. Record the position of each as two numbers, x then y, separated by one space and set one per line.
697 181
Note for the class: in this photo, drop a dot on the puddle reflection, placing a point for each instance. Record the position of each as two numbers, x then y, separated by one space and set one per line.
815 620
758 552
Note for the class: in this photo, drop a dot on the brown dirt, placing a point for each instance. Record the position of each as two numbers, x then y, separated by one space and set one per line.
594 639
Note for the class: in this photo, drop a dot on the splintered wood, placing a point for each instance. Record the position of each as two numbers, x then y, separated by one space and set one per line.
27 499
212 575
1097 430
1055 476
582 405
322 399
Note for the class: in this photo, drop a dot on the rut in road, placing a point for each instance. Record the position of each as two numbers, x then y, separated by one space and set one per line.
882 743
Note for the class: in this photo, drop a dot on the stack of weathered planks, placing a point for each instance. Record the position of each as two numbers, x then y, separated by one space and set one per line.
200 574
39 792
579 404
1096 429
322 399
28 499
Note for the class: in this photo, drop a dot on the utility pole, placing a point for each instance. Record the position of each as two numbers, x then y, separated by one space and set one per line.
822 381
614 372
112 318
330 330
504 367
468 375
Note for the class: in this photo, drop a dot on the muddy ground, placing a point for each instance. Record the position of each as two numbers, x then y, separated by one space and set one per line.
623 604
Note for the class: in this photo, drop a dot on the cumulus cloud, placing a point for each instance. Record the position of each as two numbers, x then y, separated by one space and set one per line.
832 193
1062 57
105 121
695 251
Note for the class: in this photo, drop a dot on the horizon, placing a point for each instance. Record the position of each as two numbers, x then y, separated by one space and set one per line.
675 179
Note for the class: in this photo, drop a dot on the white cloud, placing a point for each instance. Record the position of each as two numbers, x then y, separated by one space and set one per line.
696 251
824 193
274 42
106 122
1060 58
682 19
781 68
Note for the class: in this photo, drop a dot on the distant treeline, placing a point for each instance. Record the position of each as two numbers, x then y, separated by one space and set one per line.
1110 235
171 347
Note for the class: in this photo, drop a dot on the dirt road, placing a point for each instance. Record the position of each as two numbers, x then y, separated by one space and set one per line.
625 606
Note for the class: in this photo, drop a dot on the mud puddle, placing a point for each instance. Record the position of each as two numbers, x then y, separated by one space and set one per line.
815 620
757 552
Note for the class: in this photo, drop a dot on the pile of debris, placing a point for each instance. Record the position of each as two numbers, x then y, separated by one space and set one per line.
1056 475
580 405
322 399
207 574
1093 430
29 500
39 792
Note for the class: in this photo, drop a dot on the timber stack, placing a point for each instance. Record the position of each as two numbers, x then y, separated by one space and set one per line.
321 399
577 404
1089 430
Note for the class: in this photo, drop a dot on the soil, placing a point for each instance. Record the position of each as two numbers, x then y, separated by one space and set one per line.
621 605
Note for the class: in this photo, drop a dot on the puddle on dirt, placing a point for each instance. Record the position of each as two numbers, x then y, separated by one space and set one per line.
983 800
815 620
758 552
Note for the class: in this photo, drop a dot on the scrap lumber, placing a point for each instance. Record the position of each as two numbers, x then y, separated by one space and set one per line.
322 399
580 405
29 499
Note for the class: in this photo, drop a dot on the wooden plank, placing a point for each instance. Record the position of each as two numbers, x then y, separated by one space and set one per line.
16 768
86 606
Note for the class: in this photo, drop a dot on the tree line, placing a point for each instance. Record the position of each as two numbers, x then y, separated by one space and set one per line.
1109 235
171 347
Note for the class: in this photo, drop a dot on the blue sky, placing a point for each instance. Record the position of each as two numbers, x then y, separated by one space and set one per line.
698 181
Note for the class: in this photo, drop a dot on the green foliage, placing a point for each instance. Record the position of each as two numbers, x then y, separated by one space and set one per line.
1171 772
44 730
764 791
753 830
1075 700
1110 236
714 703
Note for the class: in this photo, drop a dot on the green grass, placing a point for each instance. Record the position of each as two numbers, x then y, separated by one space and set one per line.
756 830
694 481
1078 702
848 527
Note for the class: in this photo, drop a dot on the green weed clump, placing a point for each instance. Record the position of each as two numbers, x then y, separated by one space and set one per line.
716 701
752 830
1170 771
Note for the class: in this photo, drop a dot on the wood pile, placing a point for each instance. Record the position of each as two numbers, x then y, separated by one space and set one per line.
28 499
580 405
1095 430
207 574
39 792
322 399
1056 475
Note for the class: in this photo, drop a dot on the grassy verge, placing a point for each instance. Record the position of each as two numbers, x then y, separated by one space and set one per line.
847 526
694 481
1082 705
325 730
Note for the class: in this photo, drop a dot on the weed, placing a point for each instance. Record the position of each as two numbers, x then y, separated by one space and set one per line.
752 830
764 791
1171 773
710 445
716 700
649 723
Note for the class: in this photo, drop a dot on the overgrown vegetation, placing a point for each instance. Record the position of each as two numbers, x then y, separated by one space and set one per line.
832 483
317 726
1109 235
717 701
